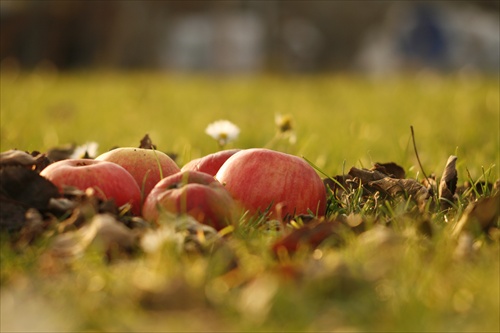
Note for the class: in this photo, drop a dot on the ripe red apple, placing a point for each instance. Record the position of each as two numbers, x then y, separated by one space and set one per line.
194 193
109 180
261 178
143 165
210 163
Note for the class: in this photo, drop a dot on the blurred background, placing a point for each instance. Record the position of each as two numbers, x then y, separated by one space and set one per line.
374 37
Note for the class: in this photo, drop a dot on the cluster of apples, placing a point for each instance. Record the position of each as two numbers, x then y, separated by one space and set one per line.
215 189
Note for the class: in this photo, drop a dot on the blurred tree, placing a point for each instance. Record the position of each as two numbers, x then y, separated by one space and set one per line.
291 35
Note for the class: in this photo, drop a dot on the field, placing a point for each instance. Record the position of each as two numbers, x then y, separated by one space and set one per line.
403 271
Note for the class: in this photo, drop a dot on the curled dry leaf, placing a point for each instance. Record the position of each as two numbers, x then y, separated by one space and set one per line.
394 187
104 231
35 161
184 232
479 216
16 157
27 187
365 175
357 177
308 236
391 169
20 189
12 215
448 183
339 184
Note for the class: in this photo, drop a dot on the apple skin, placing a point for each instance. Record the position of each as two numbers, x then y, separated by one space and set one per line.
194 193
109 180
210 163
258 177
142 164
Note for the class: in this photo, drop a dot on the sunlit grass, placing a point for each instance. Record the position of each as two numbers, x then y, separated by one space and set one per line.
340 120
394 276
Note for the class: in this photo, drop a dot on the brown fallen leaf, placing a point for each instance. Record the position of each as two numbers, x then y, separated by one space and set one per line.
27 187
16 157
339 184
365 175
479 216
448 183
409 187
391 169
20 189
12 215
310 235
104 231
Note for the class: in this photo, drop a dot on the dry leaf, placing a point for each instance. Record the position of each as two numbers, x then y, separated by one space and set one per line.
448 183
365 175
339 184
391 169
20 189
26 187
310 235
394 187
479 216
12 215
16 157
104 231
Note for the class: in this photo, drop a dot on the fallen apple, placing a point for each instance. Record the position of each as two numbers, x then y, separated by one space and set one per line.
210 163
261 178
193 193
109 180
147 166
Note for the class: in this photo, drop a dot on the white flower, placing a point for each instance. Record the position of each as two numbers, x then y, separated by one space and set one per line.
223 131
87 150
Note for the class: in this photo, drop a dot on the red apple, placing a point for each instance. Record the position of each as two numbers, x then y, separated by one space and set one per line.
261 178
109 180
210 163
194 193
143 165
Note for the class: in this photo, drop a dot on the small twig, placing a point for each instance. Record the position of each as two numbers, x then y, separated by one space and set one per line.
416 154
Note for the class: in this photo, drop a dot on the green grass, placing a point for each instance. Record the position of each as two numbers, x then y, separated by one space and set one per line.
340 120
392 277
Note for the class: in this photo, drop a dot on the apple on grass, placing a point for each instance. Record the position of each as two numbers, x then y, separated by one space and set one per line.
147 166
210 163
109 180
261 178
193 193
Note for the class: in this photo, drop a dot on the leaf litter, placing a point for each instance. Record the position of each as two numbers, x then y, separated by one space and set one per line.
25 194
75 222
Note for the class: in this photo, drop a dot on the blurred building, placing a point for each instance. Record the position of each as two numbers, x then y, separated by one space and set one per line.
249 36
